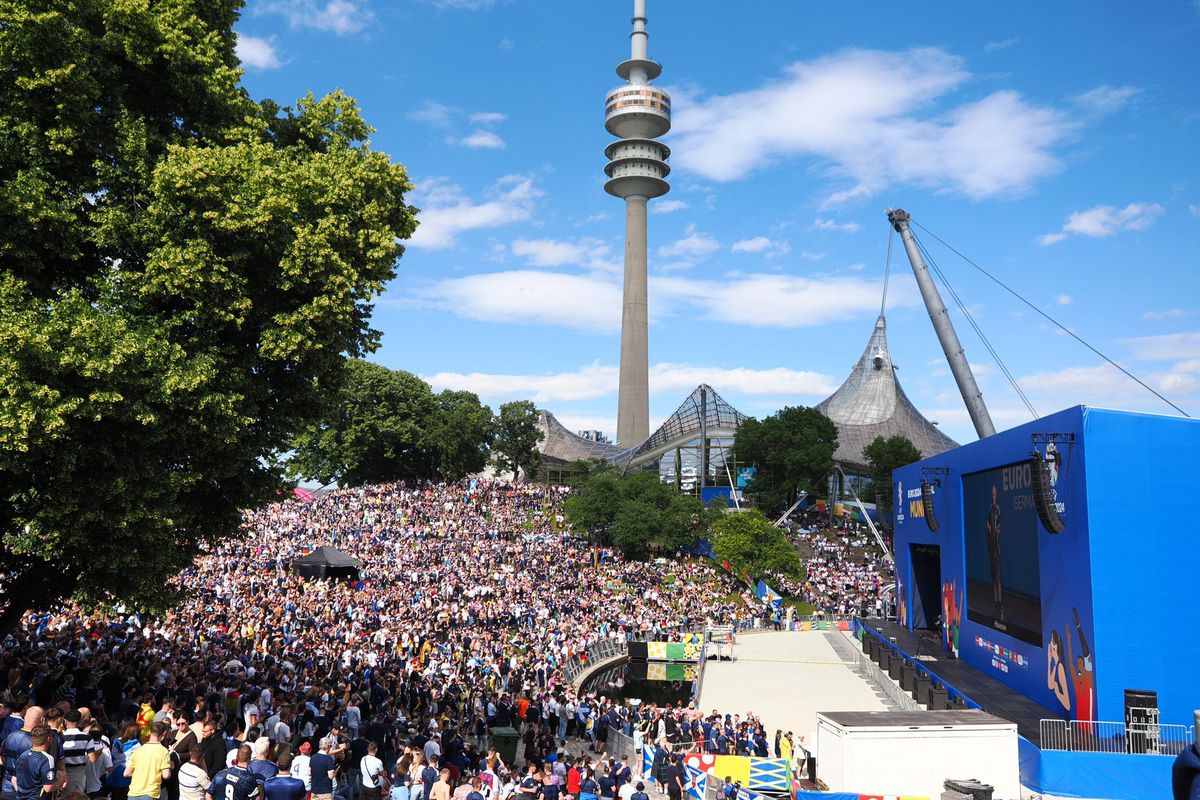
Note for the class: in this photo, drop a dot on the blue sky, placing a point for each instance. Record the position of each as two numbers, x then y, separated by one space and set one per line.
1054 143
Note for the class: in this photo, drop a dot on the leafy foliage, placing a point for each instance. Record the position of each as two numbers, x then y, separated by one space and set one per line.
793 452
183 274
388 425
750 543
517 438
637 512
884 456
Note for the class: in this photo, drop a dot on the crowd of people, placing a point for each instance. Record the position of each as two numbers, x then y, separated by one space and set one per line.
469 599
845 572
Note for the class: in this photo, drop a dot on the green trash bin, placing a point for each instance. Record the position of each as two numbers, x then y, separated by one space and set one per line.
505 741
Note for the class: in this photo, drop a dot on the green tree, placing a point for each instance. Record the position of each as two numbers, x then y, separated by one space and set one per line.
517 438
637 512
884 456
750 543
387 425
463 432
792 451
182 275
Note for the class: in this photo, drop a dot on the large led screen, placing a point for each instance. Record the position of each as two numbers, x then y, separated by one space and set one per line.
1003 574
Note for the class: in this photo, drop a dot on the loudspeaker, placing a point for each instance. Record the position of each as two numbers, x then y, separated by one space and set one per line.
638 651
1043 495
927 505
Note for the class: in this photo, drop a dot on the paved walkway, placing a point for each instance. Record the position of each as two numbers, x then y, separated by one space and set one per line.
786 678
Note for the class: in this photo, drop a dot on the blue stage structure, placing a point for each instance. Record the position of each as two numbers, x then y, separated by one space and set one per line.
1094 624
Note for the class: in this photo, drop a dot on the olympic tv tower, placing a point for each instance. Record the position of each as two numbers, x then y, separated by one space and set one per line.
637 113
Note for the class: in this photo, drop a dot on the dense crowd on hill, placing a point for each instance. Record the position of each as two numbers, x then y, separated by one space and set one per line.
845 573
471 597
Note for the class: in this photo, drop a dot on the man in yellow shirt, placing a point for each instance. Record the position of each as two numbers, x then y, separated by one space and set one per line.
149 766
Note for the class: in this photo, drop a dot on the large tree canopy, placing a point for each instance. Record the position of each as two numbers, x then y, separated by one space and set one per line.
637 512
517 438
751 544
885 456
792 451
387 425
182 274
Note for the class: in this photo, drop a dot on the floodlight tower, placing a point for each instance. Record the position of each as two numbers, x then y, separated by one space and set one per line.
637 113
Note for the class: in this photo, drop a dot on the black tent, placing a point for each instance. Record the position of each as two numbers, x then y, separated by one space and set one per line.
326 562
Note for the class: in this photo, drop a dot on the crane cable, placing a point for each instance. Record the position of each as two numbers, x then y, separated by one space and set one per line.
1051 319
975 326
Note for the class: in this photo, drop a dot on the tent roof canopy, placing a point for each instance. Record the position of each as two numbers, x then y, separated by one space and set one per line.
329 557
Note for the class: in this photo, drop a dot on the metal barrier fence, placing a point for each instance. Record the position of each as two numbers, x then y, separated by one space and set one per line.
867 669
621 745
1115 737
600 651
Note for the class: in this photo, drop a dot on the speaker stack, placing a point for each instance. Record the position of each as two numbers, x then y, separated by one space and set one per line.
1043 495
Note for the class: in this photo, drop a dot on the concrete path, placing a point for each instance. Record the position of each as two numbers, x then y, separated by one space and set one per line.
785 678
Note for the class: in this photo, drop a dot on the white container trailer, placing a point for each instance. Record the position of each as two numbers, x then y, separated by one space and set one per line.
911 753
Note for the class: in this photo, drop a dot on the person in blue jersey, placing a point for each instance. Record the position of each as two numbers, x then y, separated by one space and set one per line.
15 745
216 789
36 774
323 768
262 767
240 782
283 786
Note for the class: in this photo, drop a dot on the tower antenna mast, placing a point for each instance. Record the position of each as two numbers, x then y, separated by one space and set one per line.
637 113
944 328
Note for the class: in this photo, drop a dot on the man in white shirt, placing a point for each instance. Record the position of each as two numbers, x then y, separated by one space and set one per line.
372 773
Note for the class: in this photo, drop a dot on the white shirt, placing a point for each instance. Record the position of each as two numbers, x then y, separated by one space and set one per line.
300 769
371 766
627 790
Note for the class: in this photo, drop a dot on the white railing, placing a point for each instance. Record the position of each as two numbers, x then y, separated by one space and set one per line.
1115 737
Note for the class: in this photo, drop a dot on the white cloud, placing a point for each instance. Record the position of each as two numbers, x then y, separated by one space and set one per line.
446 211
486 118
694 245
1194 209
256 52
593 301
761 244
992 47
338 16
1064 299
1104 99
1166 347
832 225
1102 221
1169 313
483 140
771 301
589 253
438 115
532 297
597 380
867 115
669 206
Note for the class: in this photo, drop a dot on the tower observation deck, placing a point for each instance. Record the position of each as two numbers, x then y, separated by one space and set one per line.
637 113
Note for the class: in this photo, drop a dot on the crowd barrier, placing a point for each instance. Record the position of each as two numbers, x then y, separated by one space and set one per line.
1139 738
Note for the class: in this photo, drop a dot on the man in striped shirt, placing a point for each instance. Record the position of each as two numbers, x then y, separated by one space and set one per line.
79 748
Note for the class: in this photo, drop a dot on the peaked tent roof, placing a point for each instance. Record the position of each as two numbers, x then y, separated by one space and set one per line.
871 403
560 445
329 557
686 420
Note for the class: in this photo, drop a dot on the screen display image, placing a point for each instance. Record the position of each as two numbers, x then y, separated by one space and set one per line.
1003 573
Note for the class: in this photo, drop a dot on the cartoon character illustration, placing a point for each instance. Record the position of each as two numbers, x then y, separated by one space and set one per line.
993 537
1052 462
952 609
1082 675
1056 672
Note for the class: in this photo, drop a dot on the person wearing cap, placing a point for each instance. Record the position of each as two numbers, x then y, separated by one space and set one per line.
640 793
300 766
